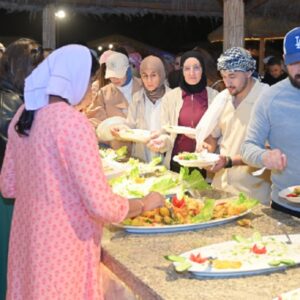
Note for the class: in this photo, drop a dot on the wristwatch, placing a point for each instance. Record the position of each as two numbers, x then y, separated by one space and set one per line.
228 162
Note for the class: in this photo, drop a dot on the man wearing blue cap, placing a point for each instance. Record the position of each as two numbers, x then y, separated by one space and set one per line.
242 90
275 119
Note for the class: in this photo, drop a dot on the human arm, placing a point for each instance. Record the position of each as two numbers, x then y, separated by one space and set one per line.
96 111
253 149
149 202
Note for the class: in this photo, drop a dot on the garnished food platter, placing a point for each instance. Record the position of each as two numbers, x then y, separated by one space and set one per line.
241 256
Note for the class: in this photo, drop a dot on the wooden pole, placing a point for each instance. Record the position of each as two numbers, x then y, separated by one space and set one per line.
49 34
234 17
261 56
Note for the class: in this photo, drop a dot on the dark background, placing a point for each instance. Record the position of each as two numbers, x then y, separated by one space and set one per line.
170 33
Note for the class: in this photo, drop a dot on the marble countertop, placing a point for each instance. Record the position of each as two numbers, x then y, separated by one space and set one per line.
138 260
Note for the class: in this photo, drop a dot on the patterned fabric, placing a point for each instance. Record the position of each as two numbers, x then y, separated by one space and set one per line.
236 59
62 200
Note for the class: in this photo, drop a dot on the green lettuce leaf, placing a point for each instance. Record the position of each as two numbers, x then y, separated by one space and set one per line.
206 213
193 180
121 152
155 161
243 200
163 185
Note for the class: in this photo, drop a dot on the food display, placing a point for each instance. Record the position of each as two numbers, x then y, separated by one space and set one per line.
188 213
196 159
136 182
291 194
241 256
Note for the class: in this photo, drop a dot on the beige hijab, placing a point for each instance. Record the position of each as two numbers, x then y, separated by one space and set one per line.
154 64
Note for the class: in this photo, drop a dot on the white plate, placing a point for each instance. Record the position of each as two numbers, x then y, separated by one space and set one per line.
204 159
103 129
180 129
135 135
113 168
290 295
289 190
252 264
179 227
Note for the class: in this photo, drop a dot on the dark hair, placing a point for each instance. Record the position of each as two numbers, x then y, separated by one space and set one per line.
18 61
274 61
26 119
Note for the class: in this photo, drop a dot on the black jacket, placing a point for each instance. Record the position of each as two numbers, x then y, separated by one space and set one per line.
10 101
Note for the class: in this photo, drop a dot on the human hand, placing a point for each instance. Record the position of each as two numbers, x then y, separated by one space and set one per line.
153 200
203 147
220 164
156 144
274 160
115 130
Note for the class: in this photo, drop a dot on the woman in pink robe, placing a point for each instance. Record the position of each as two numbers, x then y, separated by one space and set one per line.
52 168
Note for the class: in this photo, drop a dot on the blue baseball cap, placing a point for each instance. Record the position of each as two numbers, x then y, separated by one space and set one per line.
291 46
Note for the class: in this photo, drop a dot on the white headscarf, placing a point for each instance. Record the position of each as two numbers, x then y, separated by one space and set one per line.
65 72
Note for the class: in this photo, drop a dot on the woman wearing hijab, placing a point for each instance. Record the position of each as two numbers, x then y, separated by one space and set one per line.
145 109
52 168
184 106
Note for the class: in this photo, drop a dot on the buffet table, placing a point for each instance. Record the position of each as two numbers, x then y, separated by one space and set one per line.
138 261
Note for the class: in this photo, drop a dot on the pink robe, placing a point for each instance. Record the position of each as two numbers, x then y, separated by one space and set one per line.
62 201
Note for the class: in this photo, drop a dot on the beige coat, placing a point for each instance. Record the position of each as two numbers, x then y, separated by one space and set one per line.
135 119
171 105
110 102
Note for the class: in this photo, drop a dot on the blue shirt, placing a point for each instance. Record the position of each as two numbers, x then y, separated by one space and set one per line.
276 119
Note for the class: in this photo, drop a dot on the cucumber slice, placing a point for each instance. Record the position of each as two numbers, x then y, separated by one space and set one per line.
239 238
274 263
175 258
182 267
288 262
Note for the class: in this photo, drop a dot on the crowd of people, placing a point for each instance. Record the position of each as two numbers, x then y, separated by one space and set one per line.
53 187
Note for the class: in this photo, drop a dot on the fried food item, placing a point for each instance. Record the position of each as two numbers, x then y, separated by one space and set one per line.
244 222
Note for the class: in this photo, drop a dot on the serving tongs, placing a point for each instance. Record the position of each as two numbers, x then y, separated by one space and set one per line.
280 225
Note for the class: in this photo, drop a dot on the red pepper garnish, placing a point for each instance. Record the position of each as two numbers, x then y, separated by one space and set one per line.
292 195
255 249
198 259
178 203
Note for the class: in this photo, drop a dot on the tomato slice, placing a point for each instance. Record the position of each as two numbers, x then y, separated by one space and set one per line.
255 249
178 203
292 195
198 259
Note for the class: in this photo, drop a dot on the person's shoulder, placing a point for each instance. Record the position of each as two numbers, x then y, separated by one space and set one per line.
173 92
278 88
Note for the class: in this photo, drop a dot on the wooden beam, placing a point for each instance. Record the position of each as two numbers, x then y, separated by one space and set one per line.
49 34
261 56
234 19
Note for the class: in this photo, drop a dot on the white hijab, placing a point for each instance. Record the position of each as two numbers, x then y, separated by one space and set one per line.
65 72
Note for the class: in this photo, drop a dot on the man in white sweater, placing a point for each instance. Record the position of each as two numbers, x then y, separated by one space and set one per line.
231 174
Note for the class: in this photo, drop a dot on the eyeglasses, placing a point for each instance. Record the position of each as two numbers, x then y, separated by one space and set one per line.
195 68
